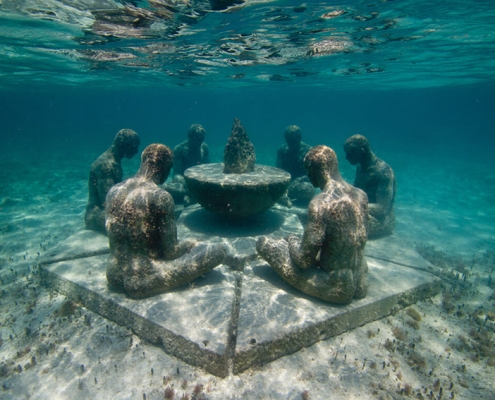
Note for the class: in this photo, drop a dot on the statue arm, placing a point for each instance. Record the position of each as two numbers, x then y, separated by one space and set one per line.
384 195
172 249
304 252
105 180
206 153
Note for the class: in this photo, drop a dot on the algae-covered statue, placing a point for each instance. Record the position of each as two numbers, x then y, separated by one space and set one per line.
194 151
239 156
145 255
377 179
238 188
290 157
105 172
328 262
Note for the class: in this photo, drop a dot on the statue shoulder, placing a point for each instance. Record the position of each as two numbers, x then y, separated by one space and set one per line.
385 171
119 190
181 148
320 203
305 147
161 197
106 167
100 161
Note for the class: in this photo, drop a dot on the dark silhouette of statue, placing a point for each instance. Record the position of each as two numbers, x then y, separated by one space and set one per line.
290 157
194 151
105 172
377 179
145 255
328 262
239 156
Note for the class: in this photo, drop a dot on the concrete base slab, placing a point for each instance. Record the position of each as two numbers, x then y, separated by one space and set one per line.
242 314
83 243
192 322
276 319
392 248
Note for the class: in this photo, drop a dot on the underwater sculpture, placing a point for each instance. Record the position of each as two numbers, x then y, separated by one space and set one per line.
193 151
328 262
105 172
238 155
377 179
290 157
238 187
145 255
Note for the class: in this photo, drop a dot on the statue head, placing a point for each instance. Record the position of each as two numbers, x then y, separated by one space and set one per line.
293 136
126 143
321 165
196 134
156 162
356 148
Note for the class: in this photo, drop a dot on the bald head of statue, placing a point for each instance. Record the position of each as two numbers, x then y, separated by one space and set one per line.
293 136
156 163
196 134
321 165
357 149
126 143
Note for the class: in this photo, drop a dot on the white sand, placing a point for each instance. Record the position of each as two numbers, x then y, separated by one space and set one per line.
85 356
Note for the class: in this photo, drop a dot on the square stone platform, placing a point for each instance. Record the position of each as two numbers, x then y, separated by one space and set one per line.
242 313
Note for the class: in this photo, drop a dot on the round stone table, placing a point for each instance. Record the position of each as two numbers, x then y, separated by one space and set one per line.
236 195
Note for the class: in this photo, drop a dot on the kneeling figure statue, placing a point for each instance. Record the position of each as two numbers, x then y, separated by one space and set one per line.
145 255
377 179
328 262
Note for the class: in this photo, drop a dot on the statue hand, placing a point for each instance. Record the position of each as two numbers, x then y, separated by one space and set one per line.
190 244
291 238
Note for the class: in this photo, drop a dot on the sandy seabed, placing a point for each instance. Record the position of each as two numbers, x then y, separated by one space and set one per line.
443 347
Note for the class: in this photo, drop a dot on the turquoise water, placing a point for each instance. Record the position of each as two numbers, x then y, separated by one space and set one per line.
413 76
416 77
342 45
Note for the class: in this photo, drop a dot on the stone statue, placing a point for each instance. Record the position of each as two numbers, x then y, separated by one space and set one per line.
145 255
238 155
328 262
237 188
290 157
377 179
194 151
105 172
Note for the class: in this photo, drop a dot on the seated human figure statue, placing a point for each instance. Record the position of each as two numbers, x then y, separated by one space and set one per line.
290 157
105 172
328 262
194 151
377 179
145 255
